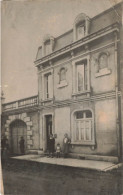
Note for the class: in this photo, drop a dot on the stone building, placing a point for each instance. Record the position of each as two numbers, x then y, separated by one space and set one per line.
79 91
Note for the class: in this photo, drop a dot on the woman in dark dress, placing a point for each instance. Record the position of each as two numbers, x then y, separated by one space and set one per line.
66 142
51 145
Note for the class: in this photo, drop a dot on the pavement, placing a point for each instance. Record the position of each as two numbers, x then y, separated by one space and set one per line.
78 163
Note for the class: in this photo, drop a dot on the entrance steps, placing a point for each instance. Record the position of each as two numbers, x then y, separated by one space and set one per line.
112 159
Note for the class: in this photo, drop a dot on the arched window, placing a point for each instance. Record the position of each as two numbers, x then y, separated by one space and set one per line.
83 126
62 74
81 26
103 60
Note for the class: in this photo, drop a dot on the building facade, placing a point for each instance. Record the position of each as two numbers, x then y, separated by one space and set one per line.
79 91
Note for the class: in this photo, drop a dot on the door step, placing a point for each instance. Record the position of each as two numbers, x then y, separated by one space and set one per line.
94 157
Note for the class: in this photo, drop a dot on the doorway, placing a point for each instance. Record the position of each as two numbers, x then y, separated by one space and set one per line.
18 129
48 128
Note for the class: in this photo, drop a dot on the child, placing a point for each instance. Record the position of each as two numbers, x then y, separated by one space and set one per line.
58 150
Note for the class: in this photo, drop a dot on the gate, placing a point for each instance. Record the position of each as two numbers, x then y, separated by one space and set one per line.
18 129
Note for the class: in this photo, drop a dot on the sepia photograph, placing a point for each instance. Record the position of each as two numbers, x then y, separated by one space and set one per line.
61 97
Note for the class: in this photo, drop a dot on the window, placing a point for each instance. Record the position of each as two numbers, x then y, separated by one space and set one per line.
80 31
103 61
48 86
83 126
81 26
81 71
47 48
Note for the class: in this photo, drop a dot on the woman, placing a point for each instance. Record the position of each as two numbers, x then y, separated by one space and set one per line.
66 142
51 145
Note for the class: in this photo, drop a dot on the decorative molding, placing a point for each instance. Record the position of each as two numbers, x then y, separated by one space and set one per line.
62 84
103 72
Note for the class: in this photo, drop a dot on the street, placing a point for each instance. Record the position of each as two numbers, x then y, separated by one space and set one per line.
29 178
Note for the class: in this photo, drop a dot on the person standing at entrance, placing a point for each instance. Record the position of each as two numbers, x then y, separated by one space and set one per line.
51 145
66 142
22 146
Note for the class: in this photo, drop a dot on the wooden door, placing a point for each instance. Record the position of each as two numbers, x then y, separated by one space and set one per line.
48 128
18 130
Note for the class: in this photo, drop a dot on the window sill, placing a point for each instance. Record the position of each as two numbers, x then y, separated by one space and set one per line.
86 143
47 100
62 84
80 93
102 72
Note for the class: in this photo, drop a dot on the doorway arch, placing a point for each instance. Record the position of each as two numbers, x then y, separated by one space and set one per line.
18 129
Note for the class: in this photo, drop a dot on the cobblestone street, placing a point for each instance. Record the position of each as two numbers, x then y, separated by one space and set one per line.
29 178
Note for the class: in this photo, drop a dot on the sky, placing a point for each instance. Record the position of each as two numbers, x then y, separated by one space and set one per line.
23 26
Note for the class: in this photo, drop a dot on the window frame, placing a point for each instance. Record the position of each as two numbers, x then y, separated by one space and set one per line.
74 64
73 125
81 24
44 95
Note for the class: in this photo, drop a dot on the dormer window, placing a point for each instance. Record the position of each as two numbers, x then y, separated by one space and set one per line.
80 31
81 26
47 48
48 45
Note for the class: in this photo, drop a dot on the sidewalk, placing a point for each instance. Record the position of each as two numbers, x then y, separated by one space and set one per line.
84 164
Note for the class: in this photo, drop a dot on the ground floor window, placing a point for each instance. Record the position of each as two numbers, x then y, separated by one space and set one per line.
83 126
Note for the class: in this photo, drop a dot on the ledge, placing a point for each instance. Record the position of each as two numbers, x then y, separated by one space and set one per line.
47 100
80 93
103 72
62 84
86 143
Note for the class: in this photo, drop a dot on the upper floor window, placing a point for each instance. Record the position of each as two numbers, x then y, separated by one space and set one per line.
103 61
48 86
81 75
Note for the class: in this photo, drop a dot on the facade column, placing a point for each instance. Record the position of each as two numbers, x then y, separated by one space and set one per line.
40 131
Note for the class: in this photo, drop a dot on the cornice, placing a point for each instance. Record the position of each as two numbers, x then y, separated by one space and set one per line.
81 42
56 104
98 97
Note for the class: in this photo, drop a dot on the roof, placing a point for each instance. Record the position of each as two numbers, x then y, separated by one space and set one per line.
98 22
